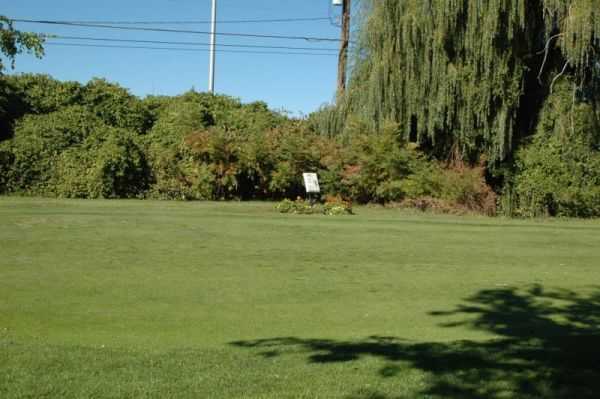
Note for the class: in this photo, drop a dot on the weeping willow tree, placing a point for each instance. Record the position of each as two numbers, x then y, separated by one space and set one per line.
468 77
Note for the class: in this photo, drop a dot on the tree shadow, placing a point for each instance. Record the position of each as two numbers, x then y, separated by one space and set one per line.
548 346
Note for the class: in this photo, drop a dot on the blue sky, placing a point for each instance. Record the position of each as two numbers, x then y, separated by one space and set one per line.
296 83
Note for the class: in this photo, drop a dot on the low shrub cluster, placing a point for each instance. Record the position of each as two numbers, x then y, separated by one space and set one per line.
96 140
297 207
99 141
333 206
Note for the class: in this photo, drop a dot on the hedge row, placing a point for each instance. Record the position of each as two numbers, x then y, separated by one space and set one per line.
99 141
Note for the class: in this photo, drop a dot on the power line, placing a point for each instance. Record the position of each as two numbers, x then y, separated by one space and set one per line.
253 35
103 39
183 49
192 22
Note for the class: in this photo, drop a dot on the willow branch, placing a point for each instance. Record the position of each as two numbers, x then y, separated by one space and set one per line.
558 76
546 51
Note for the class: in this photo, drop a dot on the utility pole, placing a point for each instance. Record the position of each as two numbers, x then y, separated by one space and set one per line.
345 41
211 66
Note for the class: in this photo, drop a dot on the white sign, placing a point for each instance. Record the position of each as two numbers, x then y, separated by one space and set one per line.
311 182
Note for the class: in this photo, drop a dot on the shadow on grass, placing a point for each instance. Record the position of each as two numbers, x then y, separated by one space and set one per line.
548 347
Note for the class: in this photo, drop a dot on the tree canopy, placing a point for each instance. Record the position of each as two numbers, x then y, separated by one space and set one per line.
14 42
469 76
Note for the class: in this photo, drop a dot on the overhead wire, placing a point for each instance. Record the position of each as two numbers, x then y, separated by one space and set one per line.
195 22
51 36
184 49
163 30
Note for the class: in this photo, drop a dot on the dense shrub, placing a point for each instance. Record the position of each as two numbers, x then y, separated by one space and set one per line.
558 178
293 152
194 111
297 207
116 106
99 141
41 94
466 188
108 164
334 206
179 116
7 98
381 169
30 158
558 172
6 161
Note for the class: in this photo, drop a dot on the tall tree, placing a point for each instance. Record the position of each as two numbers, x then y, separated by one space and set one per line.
470 76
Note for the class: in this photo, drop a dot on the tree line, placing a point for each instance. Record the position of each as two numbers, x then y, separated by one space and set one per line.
477 105
513 84
96 140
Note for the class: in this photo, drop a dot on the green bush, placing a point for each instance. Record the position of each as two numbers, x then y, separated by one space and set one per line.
219 151
176 174
379 168
175 171
39 140
178 117
558 171
293 152
97 140
41 94
298 207
334 206
6 161
10 102
108 164
116 106
466 187
557 178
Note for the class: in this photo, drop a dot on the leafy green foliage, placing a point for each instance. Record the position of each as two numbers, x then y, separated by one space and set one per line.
212 147
383 170
463 77
6 101
334 206
72 153
297 207
558 173
99 141
39 140
14 42
116 106
41 94
108 164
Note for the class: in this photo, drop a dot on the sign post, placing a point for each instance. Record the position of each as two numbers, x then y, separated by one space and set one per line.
311 183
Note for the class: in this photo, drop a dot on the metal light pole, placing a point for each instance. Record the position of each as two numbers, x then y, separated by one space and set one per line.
211 66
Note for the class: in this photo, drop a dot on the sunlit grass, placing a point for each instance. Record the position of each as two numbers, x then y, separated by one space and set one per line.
233 300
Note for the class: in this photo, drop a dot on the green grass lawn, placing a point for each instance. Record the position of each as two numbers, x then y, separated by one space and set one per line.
140 299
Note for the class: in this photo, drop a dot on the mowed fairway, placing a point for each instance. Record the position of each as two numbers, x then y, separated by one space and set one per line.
136 299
